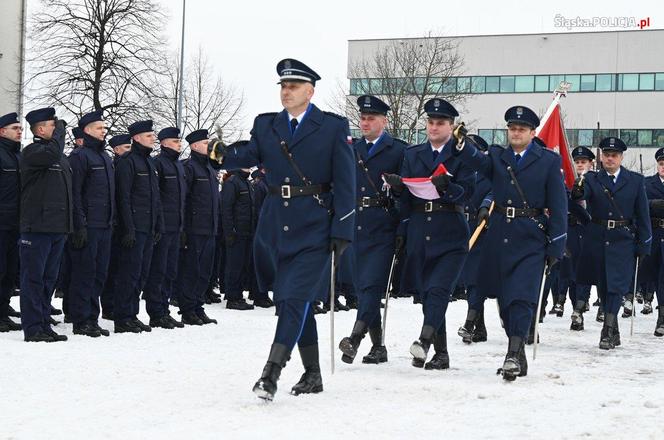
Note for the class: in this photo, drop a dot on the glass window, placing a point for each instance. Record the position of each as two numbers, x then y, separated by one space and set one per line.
375 86
585 138
542 83
645 137
628 81
574 80
659 81
506 84
487 135
419 85
658 138
604 133
524 84
492 84
647 81
571 137
435 86
500 137
463 84
477 84
449 85
587 83
629 137
605 83
555 81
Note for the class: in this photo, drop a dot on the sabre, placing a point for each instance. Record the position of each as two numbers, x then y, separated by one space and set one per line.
479 229
332 312
537 311
387 297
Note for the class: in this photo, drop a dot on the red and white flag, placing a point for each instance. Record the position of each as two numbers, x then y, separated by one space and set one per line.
552 132
422 187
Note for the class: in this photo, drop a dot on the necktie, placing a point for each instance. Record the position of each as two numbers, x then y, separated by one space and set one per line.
613 179
435 155
517 157
293 125
370 146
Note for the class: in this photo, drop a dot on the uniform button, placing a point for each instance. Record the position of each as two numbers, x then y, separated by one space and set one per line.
359 228
428 219
509 220
427 238
509 202
610 214
286 228
363 189
287 179
505 240
285 203
360 208
606 243
512 182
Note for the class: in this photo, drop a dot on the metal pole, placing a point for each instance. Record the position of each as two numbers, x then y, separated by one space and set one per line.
332 288
21 73
179 119
387 298
537 312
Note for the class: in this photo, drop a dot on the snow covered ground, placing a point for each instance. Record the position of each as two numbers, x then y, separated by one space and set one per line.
196 383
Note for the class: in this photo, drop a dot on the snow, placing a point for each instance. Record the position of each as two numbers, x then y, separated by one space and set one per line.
196 383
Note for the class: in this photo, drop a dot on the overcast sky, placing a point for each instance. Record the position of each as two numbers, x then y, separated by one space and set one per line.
245 39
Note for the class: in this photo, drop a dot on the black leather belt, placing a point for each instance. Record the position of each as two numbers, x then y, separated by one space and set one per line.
611 224
288 191
372 202
511 212
438 206
657 222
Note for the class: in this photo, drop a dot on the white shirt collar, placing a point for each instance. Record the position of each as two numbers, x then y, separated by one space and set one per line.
439 149
299 117
616 174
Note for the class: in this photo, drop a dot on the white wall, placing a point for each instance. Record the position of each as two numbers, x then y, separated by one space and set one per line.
10 43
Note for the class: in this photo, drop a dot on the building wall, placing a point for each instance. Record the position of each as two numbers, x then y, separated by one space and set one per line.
10 46
615 53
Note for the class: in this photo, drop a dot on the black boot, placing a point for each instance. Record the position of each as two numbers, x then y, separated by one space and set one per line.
162 322
441 359
606 341
577 316
311 381
628 306
13 313
659 328
466 331
141 325
205 319
86 329
7 325
420 348
479 334
559 306
512 365
647 303
600 314
349 345
266 386
531 334
523 362
191 318
351 302
378 352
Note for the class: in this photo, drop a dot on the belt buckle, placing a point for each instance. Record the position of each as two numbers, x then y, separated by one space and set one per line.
285 192
366 202
660 223
610 224
510 212
428 207
467 216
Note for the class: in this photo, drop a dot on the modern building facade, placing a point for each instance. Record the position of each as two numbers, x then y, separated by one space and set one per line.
11 43
617 80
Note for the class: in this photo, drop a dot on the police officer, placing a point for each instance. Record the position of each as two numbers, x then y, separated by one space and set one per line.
577 219
259 296
305 152
140 225
79 139
93 191
45 221
10 190
436 227
374 245
652 265
201 218
525 180
620 228
120 144
477 211
164 264
238 218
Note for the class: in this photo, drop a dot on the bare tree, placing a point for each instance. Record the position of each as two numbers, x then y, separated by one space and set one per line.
208 102
95 55
405 74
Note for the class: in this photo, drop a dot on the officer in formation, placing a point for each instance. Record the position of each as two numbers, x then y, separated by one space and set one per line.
164 265
620 231
653 271
436 229
10 190
375 242
259 296
201 217
45 221
477 211
521 239
238 217
93 191
306 153
140 225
